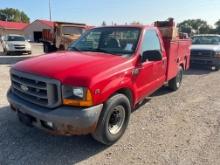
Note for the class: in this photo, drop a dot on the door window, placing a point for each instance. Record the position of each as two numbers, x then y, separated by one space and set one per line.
151 41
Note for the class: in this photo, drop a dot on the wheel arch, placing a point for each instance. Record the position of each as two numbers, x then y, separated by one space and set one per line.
127 92
182 65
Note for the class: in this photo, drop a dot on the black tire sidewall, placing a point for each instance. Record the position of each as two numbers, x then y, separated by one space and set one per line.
47 48
116 100
173 84
180 73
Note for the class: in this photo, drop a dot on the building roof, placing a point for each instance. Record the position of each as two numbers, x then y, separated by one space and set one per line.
46 22
12 25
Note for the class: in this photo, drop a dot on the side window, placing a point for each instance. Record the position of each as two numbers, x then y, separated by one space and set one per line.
151 41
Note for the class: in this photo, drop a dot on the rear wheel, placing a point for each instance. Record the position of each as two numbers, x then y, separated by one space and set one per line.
176 82
113 120
61 47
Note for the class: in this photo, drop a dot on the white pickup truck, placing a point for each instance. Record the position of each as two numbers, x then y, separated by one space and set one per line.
206 50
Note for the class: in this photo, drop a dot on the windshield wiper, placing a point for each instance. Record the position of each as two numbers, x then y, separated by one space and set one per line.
75 49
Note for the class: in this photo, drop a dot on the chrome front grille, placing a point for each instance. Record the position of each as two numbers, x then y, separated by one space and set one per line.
37 90
19 46
22 45
202 53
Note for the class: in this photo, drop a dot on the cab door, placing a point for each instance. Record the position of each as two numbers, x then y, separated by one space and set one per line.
151 73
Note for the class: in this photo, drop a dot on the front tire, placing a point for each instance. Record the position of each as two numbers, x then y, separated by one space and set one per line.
114 120
176 82
47 47
5 52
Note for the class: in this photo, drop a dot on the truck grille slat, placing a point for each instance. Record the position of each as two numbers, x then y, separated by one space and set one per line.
30 92
35 89
30 84
202 53
41 102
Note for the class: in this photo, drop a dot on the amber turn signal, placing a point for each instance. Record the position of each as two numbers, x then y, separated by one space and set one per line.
87 102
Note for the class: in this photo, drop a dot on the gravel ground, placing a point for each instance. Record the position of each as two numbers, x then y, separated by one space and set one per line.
171 128
37 49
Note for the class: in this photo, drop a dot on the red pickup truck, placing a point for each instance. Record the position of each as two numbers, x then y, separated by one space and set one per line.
93 87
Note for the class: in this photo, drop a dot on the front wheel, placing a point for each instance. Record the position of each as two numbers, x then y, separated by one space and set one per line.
5 52
176 82
47 47
114 120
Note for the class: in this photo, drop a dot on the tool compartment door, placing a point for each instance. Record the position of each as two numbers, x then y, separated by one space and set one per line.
172 58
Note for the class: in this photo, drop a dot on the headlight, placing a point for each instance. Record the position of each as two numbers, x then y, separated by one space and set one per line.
76 96
78 92
10 45
28 45
217 54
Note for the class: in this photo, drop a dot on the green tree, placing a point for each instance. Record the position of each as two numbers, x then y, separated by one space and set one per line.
135 23
13 15
104 23
217 29
194 26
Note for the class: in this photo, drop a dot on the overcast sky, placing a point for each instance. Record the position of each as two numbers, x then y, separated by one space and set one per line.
94 12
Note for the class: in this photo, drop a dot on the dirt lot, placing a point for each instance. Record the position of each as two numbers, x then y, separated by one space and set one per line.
171 128
37 49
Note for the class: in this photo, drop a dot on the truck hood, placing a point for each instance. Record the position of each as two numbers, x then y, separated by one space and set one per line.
75 68
206 47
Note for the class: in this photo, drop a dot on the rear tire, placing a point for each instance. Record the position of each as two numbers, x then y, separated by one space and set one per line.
61 47
176 82
114 120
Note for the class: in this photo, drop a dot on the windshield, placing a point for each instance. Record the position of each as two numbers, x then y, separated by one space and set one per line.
113 40
206 40
16 38
70 30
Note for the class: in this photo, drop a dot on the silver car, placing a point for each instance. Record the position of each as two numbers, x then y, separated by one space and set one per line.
15 44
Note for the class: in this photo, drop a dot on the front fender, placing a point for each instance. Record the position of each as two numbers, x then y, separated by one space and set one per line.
112 86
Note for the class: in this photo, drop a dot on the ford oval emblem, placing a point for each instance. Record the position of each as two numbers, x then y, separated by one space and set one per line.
24 88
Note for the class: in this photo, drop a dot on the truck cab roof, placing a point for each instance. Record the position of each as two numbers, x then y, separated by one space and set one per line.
128 26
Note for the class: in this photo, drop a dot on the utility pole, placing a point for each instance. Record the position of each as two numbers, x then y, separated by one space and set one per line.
50 11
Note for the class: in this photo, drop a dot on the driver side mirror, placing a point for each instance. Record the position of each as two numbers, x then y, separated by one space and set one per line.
151 55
